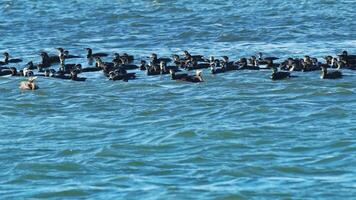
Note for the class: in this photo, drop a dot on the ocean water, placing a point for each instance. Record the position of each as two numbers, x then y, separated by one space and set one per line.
237 135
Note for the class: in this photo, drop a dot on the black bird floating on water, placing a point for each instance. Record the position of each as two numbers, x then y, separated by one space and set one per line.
330 75
92 55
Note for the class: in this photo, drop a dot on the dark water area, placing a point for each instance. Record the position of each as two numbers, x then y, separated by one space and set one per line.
237 135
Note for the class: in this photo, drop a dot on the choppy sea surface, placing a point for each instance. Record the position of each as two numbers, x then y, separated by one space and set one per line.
237 135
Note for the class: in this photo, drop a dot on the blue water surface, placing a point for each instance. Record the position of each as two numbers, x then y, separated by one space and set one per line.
237 135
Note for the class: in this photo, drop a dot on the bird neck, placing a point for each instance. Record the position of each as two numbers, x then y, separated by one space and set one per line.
6 58
90 53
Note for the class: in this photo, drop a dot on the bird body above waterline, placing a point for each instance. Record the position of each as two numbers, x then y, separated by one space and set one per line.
29 84
330 75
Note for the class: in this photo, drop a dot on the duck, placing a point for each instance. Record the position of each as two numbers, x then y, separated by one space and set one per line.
328 59
277 75
178 61
106 67
261 60
108 64
193 64
153 70
306 62
188 78
29 84
270 63
31 66
155 66
163 67
166 69
346 60
227 65
74 76
61 56
118 59
66 53
124 58
345 54
53 58
244 66
121 74
175 76
287 64
91 55
154 60
329 75
335 63
265 60
45 61
143 65
66 68
188 56
215 68
100 63
253 61
8 60
312 65
297 65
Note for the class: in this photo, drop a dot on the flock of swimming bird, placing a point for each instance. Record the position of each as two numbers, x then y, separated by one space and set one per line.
118 68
